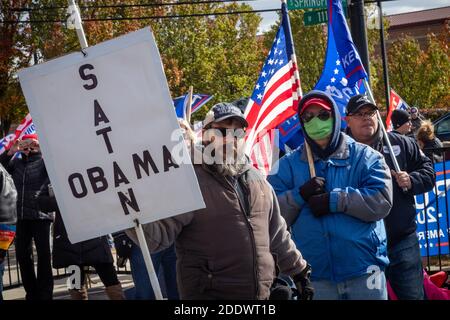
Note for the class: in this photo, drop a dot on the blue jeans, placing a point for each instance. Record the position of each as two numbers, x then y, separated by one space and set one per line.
366 287
165 259
405 273
2 269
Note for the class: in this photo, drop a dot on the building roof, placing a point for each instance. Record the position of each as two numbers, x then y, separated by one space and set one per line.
418 17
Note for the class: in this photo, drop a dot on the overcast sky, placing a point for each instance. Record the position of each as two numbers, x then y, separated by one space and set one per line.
390 7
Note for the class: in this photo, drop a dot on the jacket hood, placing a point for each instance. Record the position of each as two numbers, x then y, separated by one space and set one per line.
334 142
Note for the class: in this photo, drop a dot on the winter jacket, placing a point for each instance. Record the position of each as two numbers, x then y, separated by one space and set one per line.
401 222
8 198
230 249
29 174
351 238
85 253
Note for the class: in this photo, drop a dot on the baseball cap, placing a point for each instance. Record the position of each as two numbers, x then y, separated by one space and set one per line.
222 111
32 136
357 102
317 101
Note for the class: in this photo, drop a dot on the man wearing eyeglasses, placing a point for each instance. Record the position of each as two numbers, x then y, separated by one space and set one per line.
404 273
233 247
337 216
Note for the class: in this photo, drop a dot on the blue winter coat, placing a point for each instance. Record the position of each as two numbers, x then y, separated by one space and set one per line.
345 243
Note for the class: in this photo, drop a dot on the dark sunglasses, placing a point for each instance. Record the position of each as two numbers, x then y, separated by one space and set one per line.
237 133
28 149
322 115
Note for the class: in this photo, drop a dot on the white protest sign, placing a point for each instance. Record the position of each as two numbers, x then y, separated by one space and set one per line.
105 123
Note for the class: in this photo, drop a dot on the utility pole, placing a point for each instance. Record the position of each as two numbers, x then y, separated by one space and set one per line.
384 56
359 31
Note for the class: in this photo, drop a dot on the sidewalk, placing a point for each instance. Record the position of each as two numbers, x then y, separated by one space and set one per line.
96 291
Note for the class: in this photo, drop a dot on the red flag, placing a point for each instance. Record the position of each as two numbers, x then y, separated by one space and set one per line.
395 102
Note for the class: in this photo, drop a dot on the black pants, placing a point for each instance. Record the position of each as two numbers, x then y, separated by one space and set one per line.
38 287
105 271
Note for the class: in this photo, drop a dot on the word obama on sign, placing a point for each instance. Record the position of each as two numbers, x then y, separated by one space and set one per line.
106 125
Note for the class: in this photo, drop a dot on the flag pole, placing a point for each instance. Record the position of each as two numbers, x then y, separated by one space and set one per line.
148 260
189 105
290 42
77 23
385 135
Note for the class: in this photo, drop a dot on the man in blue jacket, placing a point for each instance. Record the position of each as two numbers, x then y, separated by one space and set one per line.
337 216
404 273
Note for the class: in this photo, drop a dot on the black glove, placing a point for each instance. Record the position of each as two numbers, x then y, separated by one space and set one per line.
314 186
320 204
303 283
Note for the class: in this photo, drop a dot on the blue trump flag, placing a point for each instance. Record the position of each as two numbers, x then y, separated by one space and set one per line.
343 73
342 76
433 215
198 101
351 62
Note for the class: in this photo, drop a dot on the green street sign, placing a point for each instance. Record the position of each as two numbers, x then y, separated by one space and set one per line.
310 4
311 18
315 17
306 4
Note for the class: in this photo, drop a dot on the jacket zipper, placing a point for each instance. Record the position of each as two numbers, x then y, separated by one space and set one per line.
247 219
23 188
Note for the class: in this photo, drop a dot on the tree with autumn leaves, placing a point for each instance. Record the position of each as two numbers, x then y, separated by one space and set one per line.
218 55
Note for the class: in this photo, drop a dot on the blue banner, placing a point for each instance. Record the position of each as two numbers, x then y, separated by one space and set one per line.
432 216
198 101
351 62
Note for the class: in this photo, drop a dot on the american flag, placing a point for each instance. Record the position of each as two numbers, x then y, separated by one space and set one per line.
395 102
25 127
275 97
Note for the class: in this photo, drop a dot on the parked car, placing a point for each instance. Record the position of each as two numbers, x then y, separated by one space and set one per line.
442 127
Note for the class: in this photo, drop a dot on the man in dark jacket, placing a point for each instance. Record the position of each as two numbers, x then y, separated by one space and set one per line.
416 177
29 173
401 122
231 249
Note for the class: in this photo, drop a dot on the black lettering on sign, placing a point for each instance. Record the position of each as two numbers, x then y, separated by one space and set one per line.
81 183
139 163
87 77
119 176
131 201
104 132
97 178
99 115
167 159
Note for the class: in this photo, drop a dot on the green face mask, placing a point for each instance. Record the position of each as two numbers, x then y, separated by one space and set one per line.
318 129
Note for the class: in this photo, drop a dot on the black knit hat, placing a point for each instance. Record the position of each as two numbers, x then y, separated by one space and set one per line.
400 117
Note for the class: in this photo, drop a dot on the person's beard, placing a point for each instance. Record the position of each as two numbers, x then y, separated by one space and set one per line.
228 159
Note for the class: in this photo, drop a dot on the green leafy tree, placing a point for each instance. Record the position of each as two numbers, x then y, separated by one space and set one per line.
421 76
